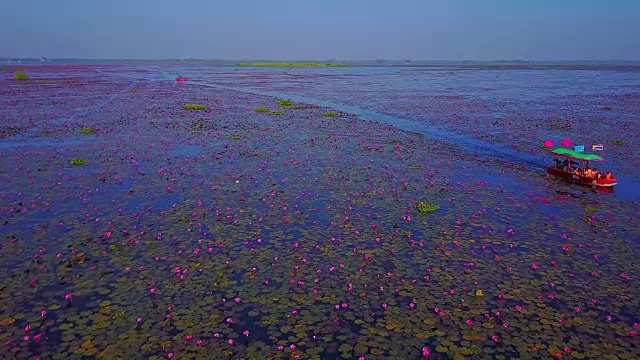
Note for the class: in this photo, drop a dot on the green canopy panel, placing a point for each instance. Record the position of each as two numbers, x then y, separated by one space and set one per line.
572 154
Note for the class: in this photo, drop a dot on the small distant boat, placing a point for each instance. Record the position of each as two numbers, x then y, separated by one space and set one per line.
181 78
583 176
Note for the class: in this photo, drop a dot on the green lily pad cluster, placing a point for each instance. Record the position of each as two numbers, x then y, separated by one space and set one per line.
426 207
78 161
88 130
264 110
285 103
194 107
19 75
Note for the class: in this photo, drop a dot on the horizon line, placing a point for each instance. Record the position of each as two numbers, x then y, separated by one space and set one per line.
332 60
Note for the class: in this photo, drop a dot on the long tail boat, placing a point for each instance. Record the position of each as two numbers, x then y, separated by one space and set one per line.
577 175
181 78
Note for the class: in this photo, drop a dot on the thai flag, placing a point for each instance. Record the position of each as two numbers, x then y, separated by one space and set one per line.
566 142
597 147
548 143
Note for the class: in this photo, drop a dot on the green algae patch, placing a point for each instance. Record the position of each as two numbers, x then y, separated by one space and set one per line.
426 207
235 137
19 75
78 161
329 114
619 142
133 90
194 107
88 130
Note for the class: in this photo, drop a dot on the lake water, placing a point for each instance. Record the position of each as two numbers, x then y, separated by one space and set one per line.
390 213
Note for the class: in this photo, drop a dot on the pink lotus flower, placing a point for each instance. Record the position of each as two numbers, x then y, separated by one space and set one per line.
425 352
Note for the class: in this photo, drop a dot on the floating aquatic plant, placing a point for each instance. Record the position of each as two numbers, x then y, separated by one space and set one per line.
19 75
285 103
619 142
132 90
276 112
328 114
262 110
78 161
235 137
607 108
195 107
425 207
88 130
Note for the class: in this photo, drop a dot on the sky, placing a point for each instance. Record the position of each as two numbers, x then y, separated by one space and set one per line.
322 29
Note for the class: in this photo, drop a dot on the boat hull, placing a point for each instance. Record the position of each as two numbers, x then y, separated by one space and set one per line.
581 180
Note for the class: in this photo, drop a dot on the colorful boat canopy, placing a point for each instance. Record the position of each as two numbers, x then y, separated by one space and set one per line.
572 154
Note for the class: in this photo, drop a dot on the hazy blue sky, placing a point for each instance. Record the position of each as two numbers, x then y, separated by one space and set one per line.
322 29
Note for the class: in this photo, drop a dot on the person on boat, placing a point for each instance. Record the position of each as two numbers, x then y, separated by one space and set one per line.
557 163
579 172
607 176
